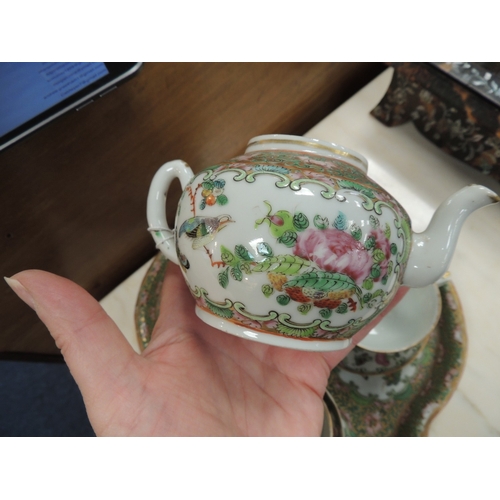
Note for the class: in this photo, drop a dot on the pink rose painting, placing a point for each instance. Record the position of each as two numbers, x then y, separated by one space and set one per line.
335 251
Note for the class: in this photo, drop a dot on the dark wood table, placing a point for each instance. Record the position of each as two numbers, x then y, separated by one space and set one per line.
73 195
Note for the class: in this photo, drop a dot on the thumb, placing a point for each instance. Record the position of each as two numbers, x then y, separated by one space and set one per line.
93 347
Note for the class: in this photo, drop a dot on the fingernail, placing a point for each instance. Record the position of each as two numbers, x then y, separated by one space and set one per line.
21 291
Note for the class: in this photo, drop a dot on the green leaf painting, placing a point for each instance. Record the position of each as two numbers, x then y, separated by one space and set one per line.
375 271
321 222
374 221
288 238
264 249
227 256
224 278
378 256
236 273
220 311
387 231
356 232
342 309
285 264
243 253
368 284
370 243
325 313
300 221
283 299
296 331
304 308
222 199
390 267
340 222
322 281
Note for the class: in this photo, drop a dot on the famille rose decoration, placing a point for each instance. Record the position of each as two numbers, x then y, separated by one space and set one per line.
291 244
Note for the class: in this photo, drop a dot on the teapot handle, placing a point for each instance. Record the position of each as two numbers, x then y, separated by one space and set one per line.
163 235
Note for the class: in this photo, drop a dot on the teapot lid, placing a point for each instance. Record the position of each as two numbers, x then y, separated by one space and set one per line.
306 145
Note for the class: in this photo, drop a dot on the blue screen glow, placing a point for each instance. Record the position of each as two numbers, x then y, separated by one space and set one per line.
28 89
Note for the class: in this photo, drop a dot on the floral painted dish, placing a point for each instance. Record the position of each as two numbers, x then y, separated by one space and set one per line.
147 306
401 402
366 362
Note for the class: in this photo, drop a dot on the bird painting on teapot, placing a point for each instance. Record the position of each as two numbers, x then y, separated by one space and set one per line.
292 244
327 264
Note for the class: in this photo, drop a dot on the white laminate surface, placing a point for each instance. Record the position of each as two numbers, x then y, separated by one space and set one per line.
420 176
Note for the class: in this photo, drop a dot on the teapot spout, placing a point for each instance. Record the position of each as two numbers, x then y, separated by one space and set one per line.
432 250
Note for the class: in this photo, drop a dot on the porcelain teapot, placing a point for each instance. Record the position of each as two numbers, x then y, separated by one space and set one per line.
292 244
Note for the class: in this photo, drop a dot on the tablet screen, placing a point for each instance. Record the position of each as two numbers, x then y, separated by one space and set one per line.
28 89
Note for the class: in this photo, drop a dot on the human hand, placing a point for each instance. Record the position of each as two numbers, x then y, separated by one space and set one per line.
191 380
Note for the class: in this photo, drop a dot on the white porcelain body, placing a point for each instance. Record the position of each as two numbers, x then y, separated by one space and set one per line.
293 245
289 244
